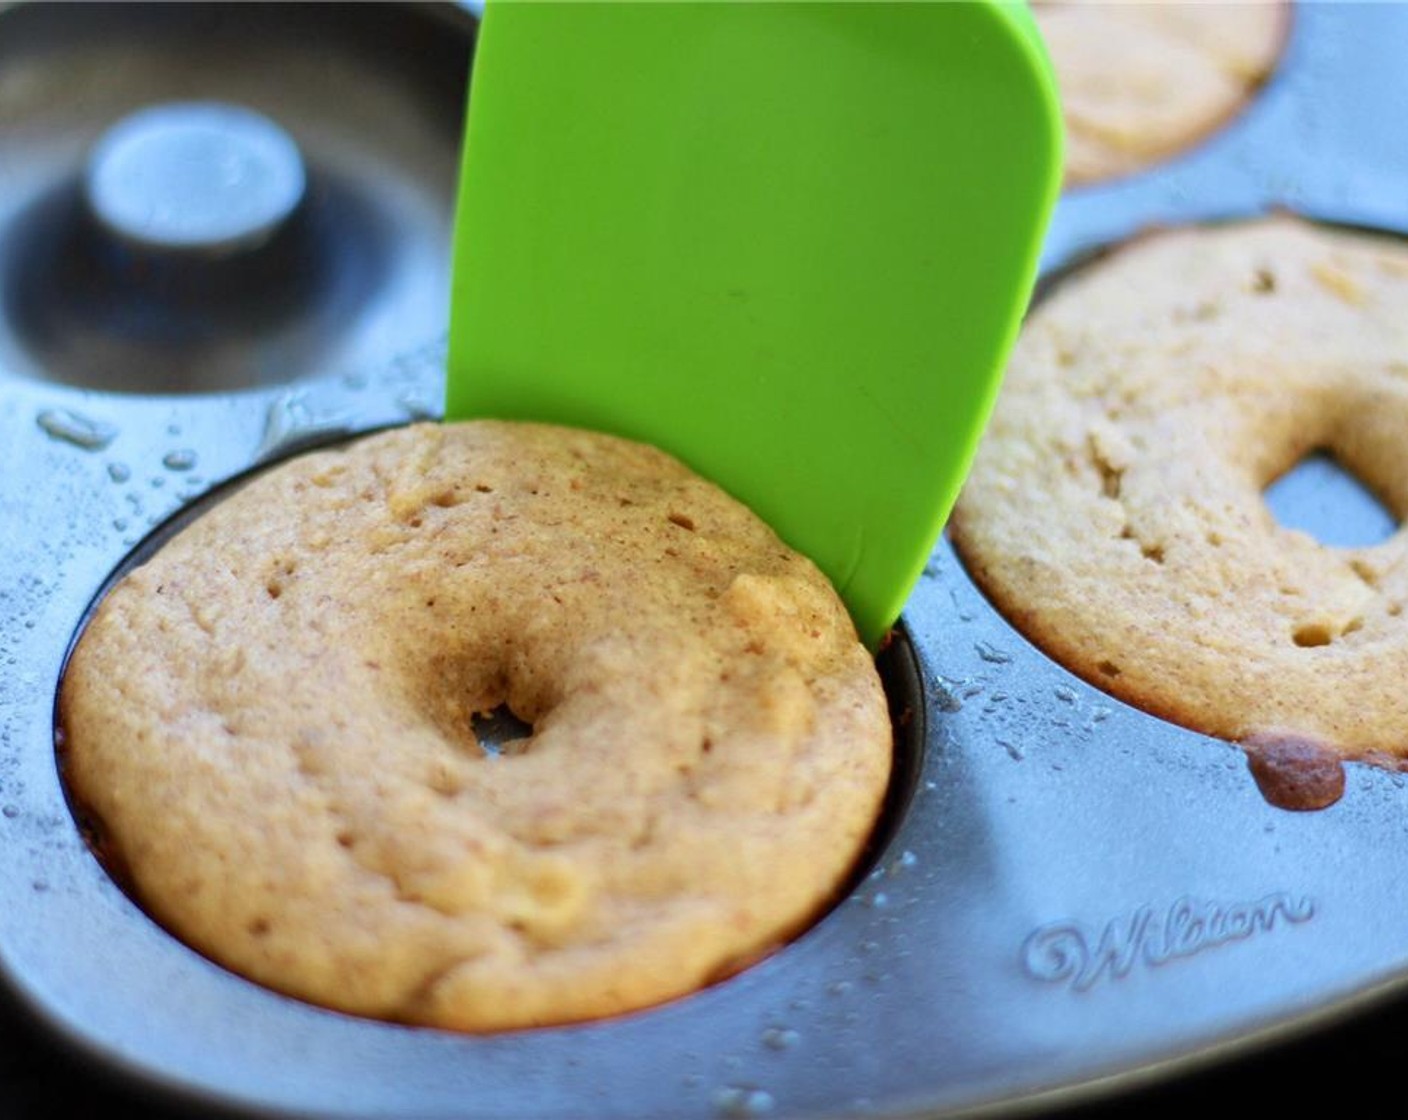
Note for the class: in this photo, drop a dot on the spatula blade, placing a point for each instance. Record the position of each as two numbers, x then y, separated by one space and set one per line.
788 242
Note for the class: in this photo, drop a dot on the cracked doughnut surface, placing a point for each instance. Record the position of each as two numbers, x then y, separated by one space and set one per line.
270 724
1115 511
1141 81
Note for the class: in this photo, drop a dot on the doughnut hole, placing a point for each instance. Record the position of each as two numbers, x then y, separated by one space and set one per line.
1319 496
1330 476
499 731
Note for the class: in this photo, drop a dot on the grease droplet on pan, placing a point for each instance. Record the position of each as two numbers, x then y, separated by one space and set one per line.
75 428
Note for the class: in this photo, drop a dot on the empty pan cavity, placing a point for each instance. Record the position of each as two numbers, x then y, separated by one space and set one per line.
193 201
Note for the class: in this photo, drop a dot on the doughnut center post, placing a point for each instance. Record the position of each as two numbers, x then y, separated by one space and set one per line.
1322 497
499 731
199 177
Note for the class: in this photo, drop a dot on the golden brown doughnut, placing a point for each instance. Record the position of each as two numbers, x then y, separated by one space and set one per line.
1115 512
270 722
1141 81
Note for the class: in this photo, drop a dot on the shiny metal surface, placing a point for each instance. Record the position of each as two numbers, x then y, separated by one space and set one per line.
194 177
1073 899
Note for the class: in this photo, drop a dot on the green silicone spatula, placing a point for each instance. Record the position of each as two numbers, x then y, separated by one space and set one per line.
788 242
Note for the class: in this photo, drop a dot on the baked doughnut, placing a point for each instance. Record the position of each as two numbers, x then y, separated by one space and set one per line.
1115 511
270 725
1140 82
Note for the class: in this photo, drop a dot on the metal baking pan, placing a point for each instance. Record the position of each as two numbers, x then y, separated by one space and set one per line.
1069 898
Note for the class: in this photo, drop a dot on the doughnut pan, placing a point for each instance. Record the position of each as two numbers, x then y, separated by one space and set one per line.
1068 898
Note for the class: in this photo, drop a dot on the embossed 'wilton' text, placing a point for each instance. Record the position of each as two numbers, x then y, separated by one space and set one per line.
1071 953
